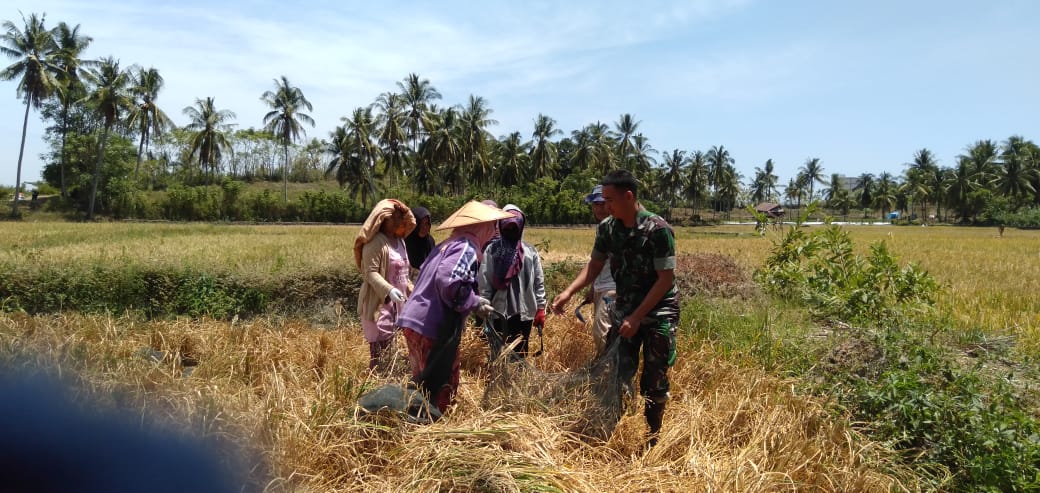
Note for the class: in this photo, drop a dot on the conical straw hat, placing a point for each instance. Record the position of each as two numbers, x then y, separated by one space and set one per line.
473 213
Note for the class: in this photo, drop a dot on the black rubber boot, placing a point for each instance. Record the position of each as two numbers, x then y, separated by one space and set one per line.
654 413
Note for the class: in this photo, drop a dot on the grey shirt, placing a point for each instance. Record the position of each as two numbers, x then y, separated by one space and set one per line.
526 293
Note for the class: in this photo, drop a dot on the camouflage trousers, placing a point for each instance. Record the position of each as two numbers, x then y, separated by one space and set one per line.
656 339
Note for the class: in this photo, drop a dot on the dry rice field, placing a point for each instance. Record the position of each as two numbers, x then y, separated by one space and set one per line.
283 391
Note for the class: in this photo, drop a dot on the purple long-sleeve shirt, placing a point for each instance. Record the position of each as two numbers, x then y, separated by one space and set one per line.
447 281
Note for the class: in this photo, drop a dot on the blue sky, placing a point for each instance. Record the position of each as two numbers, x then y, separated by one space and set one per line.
861 85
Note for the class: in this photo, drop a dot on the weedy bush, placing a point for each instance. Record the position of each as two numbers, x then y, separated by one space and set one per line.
322 206
264 206
962 428
167 291
192 203
1024 219
822 270
558 275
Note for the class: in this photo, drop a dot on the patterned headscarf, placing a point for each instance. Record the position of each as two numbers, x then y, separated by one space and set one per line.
507 255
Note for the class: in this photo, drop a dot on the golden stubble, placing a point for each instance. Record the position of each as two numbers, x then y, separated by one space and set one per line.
287 390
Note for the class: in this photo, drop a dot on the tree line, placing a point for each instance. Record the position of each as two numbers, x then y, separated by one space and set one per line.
109 140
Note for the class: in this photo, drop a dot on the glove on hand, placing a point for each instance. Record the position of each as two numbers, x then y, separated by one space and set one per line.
396 295
484 308
539 318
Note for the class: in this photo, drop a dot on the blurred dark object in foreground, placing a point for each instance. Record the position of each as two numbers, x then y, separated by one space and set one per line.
49 443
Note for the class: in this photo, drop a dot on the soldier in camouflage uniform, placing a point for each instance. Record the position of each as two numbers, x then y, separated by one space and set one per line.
641 248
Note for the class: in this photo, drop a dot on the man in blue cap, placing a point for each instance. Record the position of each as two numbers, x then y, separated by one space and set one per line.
602 293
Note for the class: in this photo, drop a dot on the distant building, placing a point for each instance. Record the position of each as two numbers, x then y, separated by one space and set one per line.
770 209
848 182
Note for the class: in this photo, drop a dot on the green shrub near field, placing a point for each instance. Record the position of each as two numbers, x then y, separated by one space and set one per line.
1024 219
162 291
961 426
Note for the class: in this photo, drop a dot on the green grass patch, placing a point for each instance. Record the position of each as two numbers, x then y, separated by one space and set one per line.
162 291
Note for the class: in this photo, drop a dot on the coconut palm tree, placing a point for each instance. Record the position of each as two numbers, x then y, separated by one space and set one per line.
801 180
917 178
418 94
729 189
544 153
209 129
514 158
32 47
718 159
390 121
763 186
937 183
766 180
757 188
674 179
885 193
146 116
441 151
864 191
70 47
109 98
697 179
624 130
813 171
474 120
351 163
651 185
982 158
361 134
641 158
841 200
1015 174
961 184
793 192
833 188
593 149
287 103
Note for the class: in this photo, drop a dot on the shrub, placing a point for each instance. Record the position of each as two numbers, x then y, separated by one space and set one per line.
944 419
198 203
822 270
160 292
322 206
230 206
264 206
1024 219
961 428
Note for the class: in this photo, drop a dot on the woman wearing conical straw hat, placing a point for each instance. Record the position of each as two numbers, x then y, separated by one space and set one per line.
382 259
445 294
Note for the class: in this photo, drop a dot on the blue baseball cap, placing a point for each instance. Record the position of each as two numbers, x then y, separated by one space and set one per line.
596 195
